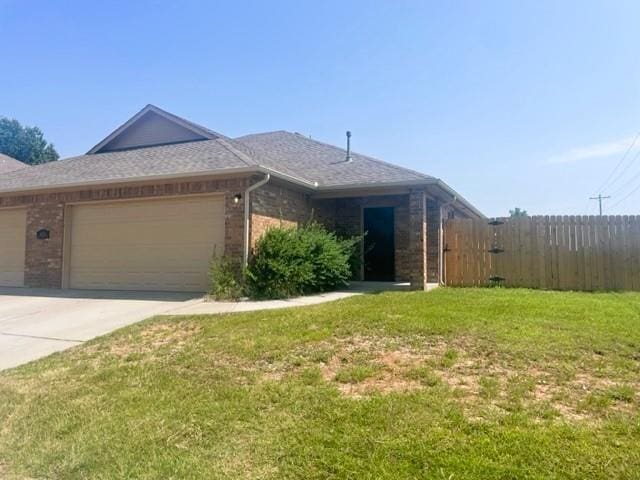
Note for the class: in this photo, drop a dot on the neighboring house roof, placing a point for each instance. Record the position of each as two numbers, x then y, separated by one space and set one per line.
194 150
10 164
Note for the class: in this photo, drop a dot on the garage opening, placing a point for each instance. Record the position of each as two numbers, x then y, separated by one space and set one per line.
379 244
153 245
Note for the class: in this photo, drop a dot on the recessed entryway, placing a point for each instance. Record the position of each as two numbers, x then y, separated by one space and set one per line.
379 244
13 224
156 245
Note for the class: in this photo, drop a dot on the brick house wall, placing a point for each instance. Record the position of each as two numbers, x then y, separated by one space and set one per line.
44 258
275 205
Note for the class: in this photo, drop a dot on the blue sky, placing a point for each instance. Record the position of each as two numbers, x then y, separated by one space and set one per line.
513 103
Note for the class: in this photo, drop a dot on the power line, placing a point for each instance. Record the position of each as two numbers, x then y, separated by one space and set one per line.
626 196
599 198
629 182
623 171
635 139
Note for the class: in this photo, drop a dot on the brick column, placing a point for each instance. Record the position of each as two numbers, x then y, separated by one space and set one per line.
433 241
418 239
234 223
43 260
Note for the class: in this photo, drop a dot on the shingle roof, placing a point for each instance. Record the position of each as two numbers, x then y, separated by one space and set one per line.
182 158
325 164
10 164
288 153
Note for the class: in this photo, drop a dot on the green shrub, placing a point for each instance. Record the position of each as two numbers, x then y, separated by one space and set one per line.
227 282
296 261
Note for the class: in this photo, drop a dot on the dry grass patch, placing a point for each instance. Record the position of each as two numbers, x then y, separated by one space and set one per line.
140 345
484 381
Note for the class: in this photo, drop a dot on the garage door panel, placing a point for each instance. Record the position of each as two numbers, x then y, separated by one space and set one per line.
145 211
140 281
147 256
13 224
146 245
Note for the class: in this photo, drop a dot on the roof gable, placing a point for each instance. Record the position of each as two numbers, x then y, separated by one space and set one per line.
151 127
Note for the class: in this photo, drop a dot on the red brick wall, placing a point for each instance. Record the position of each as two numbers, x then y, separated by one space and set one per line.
44 258
43 262
324 212
275 205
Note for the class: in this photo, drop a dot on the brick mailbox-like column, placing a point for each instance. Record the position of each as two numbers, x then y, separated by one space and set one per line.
43 261
418 239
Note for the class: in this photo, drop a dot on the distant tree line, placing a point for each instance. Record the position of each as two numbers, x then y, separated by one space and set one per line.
26 144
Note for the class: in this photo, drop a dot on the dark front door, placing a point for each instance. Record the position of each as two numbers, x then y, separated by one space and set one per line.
379 248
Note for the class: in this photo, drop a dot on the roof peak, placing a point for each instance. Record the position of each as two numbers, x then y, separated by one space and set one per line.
152 126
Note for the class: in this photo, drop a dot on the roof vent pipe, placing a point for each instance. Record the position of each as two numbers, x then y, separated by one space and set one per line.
349 158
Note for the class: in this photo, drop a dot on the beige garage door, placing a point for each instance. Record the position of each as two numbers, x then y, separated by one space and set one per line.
13 224
145 245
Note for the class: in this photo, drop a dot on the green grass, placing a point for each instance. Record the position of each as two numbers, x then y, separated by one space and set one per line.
456 383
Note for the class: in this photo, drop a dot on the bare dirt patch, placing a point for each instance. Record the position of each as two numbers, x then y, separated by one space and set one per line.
171 335
481 379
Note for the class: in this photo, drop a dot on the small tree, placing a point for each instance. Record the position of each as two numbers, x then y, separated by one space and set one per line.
517 213
26 144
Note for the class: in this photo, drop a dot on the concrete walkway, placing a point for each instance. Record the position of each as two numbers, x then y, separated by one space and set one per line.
210 308
355 288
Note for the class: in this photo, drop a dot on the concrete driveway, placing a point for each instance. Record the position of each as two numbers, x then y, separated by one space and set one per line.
35 323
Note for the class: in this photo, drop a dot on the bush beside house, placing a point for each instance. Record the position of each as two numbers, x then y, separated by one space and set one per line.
227 279
287 262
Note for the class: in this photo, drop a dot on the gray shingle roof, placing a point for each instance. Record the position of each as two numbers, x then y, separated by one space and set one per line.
287 153
182 158
10 164
315 161
290 155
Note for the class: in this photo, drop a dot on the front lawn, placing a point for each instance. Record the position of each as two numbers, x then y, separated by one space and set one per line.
456 383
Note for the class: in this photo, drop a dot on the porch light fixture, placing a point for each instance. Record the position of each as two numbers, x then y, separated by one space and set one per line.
237 197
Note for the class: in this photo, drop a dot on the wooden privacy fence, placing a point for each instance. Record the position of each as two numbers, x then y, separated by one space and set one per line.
551 252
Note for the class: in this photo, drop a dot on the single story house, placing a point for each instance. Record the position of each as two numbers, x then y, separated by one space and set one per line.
148 206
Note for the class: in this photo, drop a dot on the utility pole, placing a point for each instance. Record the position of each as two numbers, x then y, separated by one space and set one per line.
599 198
